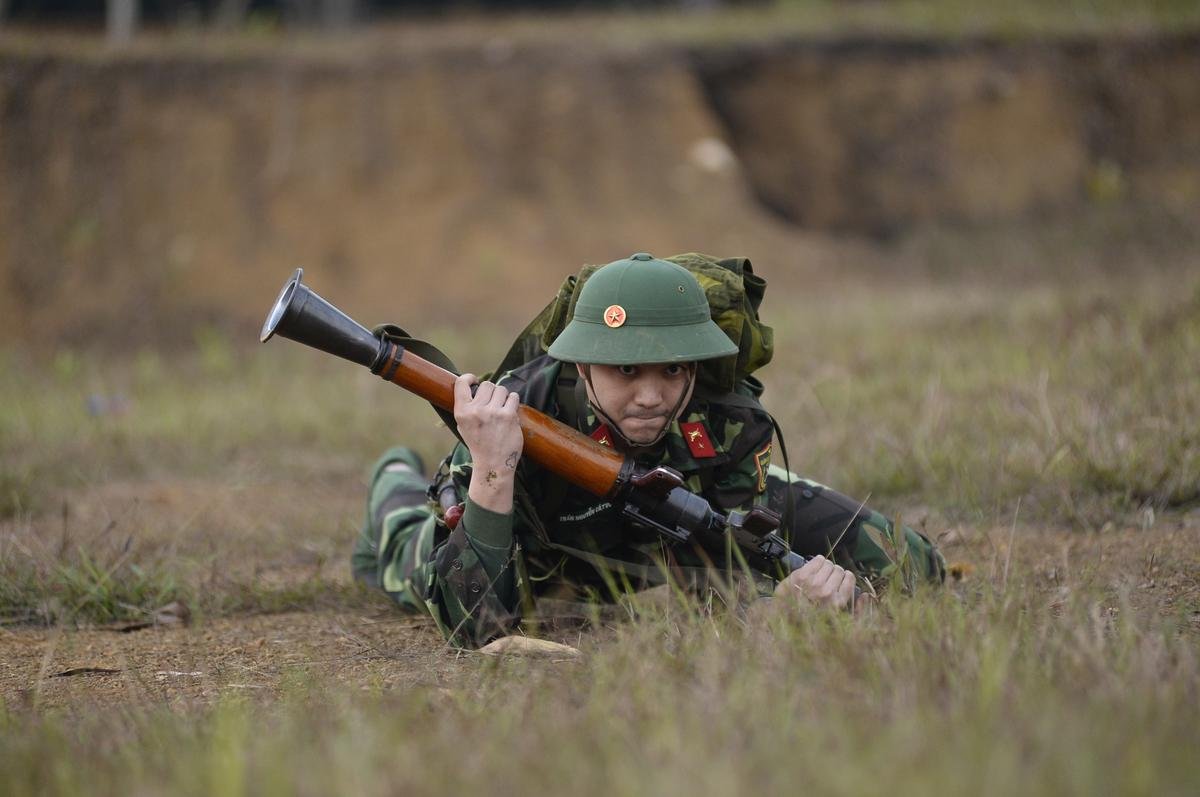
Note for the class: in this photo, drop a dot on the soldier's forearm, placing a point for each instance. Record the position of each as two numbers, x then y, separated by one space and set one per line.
491 487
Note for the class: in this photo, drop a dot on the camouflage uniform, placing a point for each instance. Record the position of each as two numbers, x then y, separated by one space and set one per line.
479 579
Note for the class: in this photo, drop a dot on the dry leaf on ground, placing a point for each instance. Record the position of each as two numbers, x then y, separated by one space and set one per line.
530 647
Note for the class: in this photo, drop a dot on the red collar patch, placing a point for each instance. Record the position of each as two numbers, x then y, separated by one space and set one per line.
602 435
696 437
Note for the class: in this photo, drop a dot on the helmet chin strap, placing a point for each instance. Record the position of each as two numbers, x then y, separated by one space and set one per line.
594 399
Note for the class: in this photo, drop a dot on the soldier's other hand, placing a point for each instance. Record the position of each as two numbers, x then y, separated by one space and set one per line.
488 423
822 582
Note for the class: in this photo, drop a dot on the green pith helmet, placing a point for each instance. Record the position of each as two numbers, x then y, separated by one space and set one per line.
641 310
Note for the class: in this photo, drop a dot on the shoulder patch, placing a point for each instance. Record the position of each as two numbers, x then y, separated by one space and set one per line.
696 437
762 461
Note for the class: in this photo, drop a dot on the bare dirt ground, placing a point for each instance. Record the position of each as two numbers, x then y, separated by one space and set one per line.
231 536
185 666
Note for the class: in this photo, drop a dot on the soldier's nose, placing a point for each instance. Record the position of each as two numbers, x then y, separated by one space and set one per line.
647 394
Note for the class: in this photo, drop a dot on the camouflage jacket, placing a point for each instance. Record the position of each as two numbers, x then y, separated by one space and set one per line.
564 541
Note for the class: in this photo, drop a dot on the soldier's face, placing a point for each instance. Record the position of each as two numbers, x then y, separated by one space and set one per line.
639 398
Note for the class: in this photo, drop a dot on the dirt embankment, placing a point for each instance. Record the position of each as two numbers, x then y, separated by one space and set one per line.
886 134
140 196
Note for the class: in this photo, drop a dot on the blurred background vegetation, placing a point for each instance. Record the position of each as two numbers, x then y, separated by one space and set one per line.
342 14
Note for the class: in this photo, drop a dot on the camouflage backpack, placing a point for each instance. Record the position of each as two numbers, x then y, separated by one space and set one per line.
734 293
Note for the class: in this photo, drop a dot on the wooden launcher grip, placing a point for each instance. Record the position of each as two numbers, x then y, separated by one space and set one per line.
548 442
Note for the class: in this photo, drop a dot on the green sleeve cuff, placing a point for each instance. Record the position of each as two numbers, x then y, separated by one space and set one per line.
493 529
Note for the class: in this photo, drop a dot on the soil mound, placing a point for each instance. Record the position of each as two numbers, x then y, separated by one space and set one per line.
142 196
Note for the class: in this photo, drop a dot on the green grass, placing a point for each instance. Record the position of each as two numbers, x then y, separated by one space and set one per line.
195 413
1080 403
984 693
1017 19
240 597
1021 17
113 579
953 404
967 398
1009 402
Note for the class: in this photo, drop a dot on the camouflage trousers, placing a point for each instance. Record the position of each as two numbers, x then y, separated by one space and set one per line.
395 546
823 521
399 533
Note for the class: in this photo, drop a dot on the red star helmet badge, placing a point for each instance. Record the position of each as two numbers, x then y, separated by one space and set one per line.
614 316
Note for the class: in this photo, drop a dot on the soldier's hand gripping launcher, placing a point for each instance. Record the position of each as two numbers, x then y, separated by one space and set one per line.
654 498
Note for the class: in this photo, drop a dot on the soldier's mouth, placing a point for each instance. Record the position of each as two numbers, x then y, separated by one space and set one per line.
641 429
645 418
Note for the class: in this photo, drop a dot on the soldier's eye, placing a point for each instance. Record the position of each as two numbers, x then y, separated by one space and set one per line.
627 370
674 370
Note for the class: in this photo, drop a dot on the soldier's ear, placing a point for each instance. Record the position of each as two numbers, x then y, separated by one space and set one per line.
579 370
